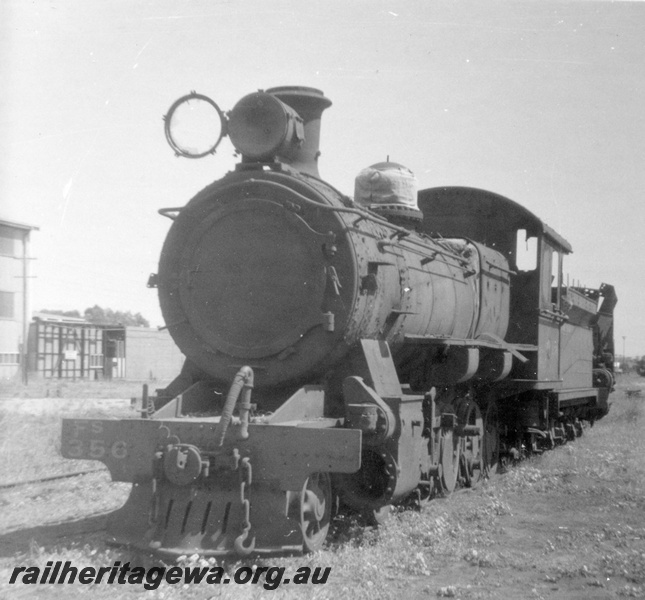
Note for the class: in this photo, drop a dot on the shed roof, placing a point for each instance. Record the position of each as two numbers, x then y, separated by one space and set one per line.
17 225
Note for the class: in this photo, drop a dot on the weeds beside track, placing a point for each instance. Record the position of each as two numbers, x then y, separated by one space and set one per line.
566 524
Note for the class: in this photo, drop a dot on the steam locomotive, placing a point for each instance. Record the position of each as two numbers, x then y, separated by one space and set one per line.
341 354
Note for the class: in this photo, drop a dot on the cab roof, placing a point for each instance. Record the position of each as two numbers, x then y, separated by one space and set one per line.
481 215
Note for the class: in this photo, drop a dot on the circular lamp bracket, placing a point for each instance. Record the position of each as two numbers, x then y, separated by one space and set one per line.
194 126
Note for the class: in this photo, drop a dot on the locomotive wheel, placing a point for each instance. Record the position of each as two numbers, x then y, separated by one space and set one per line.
450 450
315 511
471 445
490 450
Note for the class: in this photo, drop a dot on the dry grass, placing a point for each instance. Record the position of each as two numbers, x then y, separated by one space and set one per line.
39 387
563 525
30 440
30 433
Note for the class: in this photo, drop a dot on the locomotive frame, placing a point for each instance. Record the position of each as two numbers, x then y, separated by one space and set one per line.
391 353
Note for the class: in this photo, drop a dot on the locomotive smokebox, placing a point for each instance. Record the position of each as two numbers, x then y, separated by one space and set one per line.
309 103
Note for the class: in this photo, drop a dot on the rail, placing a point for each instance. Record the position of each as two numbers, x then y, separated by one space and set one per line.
20 483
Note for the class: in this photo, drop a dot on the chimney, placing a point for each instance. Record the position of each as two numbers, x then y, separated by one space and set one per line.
309 103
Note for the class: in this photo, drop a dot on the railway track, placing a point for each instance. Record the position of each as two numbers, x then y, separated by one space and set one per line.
14 484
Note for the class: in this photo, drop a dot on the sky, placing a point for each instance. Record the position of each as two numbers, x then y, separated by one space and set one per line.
540 101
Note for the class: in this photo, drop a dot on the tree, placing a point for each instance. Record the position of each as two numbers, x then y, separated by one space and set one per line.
106 316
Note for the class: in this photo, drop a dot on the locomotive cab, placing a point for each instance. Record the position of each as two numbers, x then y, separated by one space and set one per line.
564 331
